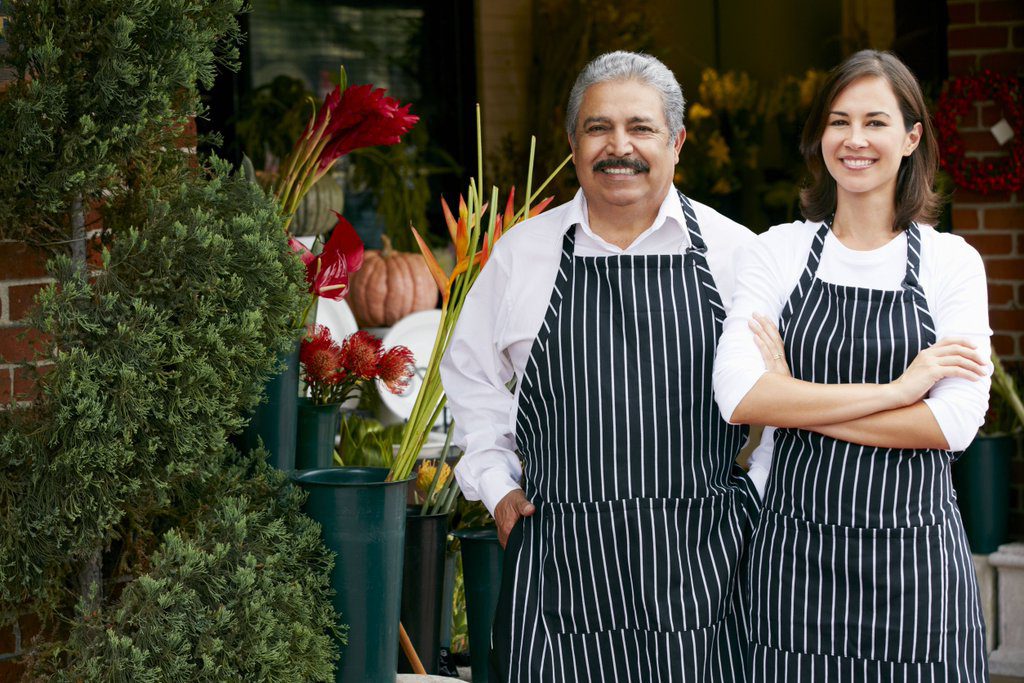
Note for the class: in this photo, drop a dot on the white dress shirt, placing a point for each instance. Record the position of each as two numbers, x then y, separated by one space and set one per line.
953 279
503 313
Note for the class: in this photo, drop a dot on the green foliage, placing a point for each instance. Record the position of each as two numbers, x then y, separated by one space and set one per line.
365 442
238 591
103 89
156 360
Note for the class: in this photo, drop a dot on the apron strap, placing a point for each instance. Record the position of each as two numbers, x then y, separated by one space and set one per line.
697 255
810 268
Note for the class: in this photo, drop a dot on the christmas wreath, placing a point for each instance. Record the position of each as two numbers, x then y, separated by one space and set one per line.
985 175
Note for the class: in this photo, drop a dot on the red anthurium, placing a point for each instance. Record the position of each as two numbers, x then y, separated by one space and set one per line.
304 253
327 273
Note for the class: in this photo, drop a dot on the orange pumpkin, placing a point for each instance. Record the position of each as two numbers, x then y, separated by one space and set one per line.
390 285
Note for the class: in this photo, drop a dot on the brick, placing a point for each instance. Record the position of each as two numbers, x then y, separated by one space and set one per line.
1001 10
7 640
1006 320
22 298
990 245
19 344
980 141
18 260
6 396
1011 218
26 382
962 65
978 37
962 14
11 671
1000 294
965 219
990 115
1004 344
1004 62
964 196
1018 36
1004 268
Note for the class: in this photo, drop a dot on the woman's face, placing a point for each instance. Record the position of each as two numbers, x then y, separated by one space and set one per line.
865 138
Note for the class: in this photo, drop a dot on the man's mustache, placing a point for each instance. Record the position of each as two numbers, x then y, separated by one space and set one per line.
625 162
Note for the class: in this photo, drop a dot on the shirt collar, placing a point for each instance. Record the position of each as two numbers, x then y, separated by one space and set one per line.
670 217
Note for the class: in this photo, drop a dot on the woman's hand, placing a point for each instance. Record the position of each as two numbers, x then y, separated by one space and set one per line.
769 342
945 358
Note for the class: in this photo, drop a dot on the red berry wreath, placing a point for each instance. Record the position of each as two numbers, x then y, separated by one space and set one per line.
987 175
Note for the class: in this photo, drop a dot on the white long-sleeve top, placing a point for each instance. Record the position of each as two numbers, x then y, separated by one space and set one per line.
951 274
503 313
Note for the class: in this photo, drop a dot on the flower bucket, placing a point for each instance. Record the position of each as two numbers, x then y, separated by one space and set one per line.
274 421
982 478
317 428
426 537
482 558
363 522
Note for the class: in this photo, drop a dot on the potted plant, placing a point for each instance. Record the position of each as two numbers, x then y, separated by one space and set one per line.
982 475
350 118
334 373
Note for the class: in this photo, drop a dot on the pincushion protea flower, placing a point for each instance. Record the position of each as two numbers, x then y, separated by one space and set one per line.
335 371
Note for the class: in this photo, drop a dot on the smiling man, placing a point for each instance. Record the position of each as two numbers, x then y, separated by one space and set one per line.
608 468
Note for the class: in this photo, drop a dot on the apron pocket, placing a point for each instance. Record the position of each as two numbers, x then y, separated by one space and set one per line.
653 564
877 594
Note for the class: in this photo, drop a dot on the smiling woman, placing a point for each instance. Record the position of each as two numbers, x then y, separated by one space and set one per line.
842 335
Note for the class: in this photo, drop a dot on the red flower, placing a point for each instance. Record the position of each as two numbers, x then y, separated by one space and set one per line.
359 355
362 117
396 368
320 356
327 273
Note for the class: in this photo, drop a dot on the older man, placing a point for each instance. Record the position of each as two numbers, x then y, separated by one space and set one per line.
626 517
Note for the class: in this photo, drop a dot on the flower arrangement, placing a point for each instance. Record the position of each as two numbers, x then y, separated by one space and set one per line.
334 372
985 175
730 160
474 234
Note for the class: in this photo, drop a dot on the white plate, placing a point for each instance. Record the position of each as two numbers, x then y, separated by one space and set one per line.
337 317
417 332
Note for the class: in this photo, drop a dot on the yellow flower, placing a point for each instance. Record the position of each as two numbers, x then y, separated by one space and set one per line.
718 150
698 112
425 476
723 186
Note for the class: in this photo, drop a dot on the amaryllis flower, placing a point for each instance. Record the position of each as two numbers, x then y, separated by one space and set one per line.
360 353
395 369
362 117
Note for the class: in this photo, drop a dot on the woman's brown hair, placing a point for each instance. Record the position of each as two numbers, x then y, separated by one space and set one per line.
915 199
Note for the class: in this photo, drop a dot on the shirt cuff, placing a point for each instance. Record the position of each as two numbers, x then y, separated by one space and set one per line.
493 486
959 434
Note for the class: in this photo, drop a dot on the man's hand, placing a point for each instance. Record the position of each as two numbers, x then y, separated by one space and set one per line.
508 511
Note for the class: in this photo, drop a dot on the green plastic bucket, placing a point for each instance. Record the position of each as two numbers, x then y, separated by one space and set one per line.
481 569
363 523
317 427
275 420
423 586
982 478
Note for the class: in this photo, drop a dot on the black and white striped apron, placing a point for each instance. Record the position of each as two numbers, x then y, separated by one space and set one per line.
629 568
860 570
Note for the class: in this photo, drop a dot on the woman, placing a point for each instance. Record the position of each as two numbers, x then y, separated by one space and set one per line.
875 378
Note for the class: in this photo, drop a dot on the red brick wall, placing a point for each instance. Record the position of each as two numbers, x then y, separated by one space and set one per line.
989 34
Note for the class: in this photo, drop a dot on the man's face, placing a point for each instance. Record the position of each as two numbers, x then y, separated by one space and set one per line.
623 154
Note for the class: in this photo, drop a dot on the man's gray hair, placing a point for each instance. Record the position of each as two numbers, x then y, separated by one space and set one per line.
629 66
